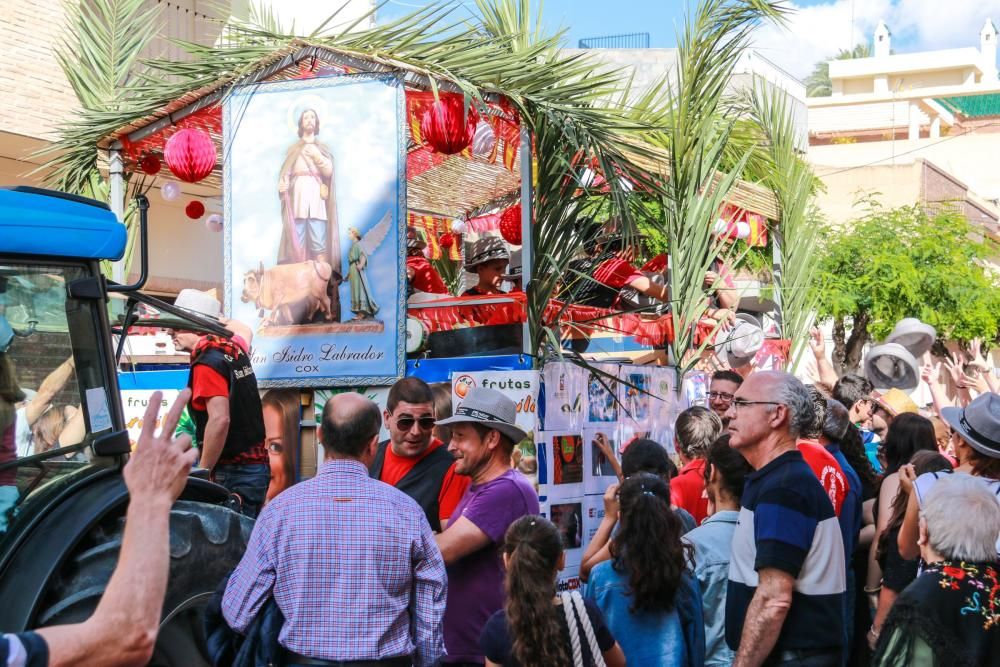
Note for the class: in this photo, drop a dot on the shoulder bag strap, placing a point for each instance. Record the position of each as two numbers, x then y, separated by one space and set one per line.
588 628
574 634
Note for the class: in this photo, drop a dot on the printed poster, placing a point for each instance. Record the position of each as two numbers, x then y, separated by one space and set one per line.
563 457
602 395
315 192
695 389
602 447
565 403
635 394
134 402
567 515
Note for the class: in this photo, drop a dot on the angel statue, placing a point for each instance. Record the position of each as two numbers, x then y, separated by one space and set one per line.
362 300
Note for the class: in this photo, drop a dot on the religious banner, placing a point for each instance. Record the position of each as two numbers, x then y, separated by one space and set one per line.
314 185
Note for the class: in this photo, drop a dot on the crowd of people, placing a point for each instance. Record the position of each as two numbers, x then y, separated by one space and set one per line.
820 525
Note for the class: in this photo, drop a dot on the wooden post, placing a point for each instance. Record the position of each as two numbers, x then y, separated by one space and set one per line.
308 442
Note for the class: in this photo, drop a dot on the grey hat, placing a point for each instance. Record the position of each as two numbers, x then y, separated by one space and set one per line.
485 249
491 409
978 423
891 365
514 268
914 335
741 341
200 303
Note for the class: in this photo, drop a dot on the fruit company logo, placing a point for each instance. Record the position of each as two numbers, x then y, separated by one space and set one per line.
463 383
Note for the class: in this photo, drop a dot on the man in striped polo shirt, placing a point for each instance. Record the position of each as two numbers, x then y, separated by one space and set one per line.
786 575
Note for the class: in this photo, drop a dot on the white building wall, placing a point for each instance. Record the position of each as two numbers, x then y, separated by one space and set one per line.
971 158
864 117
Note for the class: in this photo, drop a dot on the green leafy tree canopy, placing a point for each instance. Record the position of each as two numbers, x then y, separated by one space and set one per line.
906 262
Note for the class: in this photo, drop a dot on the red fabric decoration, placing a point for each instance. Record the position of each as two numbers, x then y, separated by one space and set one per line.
446 126
194 210
446 240
510 225
150 165
190 154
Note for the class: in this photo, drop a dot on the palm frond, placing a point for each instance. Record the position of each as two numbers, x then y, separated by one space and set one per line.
794 184
697 138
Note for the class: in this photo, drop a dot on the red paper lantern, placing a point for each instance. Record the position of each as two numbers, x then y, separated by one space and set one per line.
446 241
150 165
190 154
446 127
194 210
510 225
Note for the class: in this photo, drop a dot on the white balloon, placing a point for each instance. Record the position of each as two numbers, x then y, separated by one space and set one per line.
214 223
458 227
170 191
483 140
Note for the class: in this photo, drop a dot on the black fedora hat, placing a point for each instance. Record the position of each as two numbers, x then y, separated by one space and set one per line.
978 423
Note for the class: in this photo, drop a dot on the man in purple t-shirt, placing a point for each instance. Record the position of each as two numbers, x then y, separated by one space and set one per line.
483 436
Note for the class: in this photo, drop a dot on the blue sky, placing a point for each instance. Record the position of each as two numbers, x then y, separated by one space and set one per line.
817 30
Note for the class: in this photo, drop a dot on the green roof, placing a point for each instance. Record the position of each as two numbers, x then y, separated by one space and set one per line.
972 106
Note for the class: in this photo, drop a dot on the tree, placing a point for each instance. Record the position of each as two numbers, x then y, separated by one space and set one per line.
818 83
905 262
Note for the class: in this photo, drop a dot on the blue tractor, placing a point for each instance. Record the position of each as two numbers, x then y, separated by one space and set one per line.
62 433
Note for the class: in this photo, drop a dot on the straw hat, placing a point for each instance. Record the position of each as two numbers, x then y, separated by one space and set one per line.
491 409
896 402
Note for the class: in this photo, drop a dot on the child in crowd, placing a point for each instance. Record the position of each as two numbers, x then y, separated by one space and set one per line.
646 591
533 628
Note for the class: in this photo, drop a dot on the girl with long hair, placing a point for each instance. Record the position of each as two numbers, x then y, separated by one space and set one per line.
532 629
908 434
647 592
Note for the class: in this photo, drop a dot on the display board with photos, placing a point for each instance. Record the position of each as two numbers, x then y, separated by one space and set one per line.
590 418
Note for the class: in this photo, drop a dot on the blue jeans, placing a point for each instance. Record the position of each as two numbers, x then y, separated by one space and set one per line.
246 481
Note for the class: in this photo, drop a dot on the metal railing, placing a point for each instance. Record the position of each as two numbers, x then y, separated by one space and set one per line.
635 40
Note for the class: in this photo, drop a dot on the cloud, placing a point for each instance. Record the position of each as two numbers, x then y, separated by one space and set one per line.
818 31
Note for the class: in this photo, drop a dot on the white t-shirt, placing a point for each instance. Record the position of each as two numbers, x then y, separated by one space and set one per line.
23 437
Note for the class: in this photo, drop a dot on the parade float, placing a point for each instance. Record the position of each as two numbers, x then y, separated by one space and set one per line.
338 158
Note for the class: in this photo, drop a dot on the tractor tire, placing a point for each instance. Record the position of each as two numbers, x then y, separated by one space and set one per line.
206 543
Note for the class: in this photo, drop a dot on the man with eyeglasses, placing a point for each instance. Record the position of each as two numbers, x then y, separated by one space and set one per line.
412 460
784 600
721 391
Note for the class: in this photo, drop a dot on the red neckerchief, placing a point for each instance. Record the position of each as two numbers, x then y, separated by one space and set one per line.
209 342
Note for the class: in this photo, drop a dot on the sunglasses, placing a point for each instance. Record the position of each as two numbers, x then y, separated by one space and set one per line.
406 422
